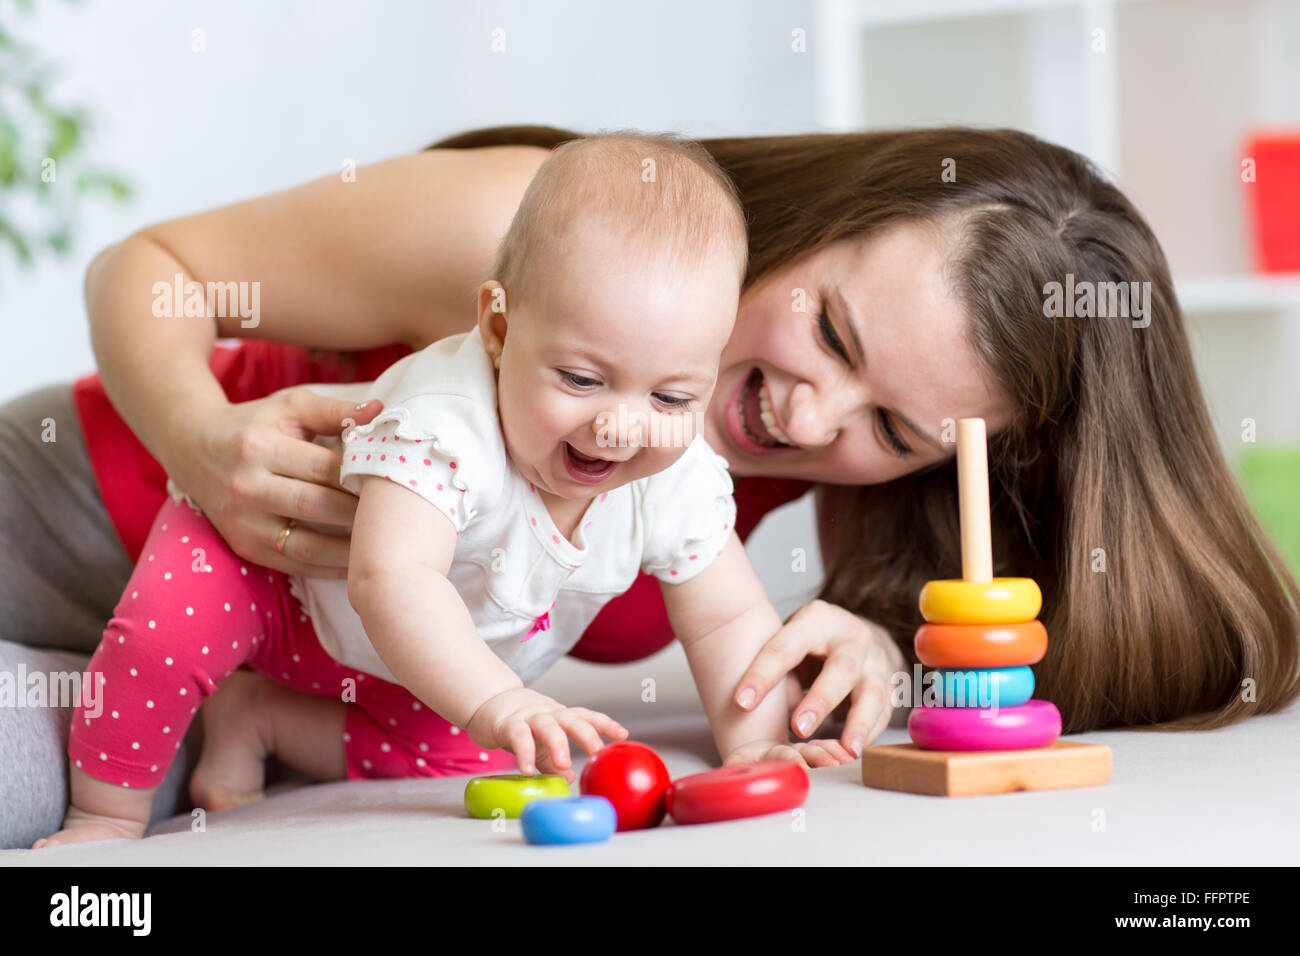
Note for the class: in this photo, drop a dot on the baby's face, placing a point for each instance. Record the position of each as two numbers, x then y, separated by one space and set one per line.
605 371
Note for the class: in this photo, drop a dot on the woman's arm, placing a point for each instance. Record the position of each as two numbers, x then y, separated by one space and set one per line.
395 256
857 659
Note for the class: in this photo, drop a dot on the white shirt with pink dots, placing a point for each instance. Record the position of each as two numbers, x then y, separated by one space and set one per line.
530 591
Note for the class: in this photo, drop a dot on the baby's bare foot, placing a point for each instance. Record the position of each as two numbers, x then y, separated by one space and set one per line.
79 826
232 768
98 810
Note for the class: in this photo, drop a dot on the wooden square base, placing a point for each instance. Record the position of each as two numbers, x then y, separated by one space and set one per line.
954 773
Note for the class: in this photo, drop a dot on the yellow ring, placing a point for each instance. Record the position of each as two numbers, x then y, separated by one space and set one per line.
1000 601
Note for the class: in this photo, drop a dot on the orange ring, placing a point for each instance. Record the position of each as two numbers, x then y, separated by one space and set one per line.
981 645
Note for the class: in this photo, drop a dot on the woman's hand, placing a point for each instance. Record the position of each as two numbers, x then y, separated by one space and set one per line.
252 466
808 753
536 729
858 659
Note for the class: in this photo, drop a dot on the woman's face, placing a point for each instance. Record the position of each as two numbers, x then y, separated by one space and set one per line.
843 367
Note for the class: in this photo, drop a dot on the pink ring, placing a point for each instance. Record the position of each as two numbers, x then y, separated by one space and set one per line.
1035 723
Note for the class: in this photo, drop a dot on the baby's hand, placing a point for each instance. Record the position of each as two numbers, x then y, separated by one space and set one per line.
524 721
808 753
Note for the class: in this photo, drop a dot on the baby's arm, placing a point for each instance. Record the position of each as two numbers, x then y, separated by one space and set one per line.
401 549
723 617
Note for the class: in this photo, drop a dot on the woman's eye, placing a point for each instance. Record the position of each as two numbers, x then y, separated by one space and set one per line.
891 436
830 337
578 381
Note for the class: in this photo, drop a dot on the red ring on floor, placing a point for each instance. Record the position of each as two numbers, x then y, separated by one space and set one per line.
741 790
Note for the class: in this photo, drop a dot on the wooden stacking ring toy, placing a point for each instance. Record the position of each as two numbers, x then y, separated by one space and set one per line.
999 601
737 791
510 792
996 687
977 728
584 819
980 645
1033 724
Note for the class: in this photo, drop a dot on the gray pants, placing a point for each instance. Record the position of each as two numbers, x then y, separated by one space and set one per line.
62 572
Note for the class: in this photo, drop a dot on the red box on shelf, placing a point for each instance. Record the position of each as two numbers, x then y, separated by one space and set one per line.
1274 200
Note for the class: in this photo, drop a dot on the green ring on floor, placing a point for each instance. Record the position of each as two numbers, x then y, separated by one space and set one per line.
510 792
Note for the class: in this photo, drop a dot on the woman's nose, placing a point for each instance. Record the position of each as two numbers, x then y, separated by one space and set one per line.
813 419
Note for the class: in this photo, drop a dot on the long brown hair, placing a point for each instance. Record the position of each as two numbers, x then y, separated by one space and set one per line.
1164 601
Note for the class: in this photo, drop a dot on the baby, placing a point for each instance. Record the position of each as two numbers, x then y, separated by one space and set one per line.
518 477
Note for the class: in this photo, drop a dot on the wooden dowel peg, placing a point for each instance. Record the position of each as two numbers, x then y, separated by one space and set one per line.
973 500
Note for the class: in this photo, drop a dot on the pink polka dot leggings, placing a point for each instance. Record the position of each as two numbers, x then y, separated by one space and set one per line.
193 612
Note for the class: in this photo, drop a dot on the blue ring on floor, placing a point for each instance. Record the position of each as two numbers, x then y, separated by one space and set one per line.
556 820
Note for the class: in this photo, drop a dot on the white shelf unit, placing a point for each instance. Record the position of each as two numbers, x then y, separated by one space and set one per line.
1042 44
1240 294
1163 108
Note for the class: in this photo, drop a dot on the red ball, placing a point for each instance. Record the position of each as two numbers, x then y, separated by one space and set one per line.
633 778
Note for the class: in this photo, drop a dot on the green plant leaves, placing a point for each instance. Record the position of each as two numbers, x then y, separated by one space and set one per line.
43 146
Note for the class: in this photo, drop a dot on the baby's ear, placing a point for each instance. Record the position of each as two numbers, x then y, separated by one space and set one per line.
493 317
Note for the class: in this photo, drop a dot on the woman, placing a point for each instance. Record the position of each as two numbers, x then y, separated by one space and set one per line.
883 299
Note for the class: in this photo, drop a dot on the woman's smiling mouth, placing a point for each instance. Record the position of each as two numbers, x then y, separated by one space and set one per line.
751 420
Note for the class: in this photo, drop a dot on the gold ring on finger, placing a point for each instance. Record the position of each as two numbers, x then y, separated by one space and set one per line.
282 538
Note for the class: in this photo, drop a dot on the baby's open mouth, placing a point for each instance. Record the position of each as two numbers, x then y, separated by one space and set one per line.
756 416
585 467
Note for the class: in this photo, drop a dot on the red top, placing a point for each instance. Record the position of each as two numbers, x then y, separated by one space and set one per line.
134 486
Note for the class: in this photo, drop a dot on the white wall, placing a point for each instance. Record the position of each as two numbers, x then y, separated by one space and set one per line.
286 90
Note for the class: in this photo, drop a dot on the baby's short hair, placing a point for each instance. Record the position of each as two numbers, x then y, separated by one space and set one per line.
662 194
